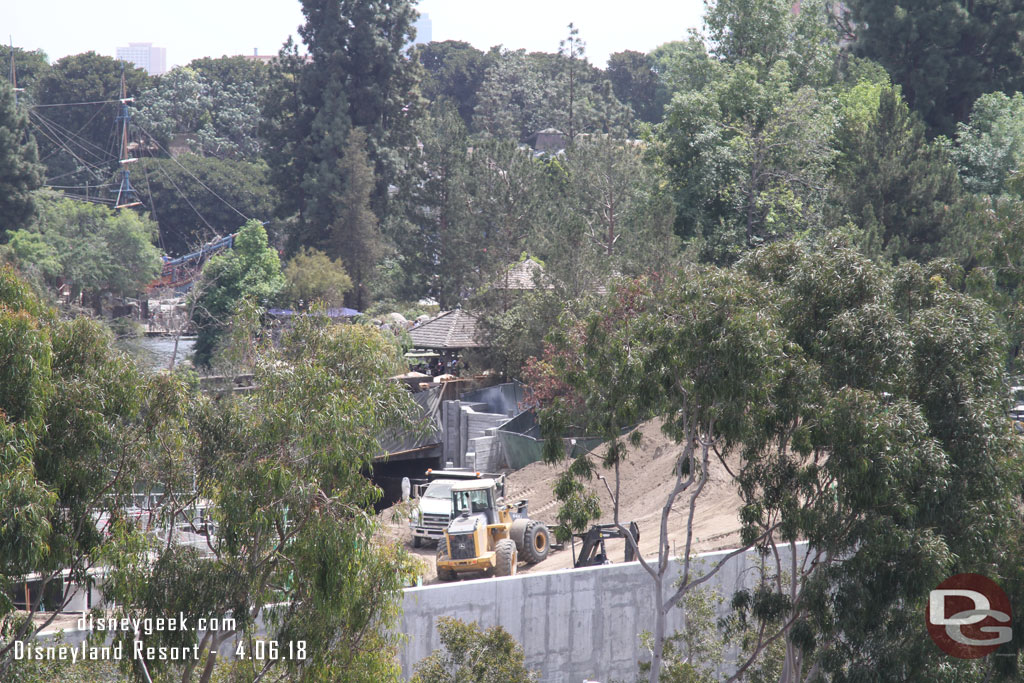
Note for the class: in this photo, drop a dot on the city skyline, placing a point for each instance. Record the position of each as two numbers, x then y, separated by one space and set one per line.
230 27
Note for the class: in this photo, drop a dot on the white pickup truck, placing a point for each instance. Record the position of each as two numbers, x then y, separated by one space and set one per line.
434 509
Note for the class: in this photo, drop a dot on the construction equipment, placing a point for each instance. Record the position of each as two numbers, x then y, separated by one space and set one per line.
487 534
593 542
434 502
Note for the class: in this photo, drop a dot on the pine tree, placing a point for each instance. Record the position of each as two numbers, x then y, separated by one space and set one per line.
355 233
943 53
20 171
359 76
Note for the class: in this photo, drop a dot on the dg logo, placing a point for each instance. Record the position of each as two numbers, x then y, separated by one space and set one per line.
969 616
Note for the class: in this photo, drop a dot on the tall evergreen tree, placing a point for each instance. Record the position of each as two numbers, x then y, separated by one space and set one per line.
440 244
355 232
943 53
20 171
358 75
890 180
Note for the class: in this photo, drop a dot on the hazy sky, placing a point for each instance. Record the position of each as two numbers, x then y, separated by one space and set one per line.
198 28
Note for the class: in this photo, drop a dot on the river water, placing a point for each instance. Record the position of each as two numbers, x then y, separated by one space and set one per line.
154 353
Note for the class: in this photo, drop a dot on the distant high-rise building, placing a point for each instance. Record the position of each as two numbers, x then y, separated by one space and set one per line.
145 56
423 30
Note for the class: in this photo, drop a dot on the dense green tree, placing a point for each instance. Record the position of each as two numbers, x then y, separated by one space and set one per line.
293 556
440 241
355 235
311 276
224 71
635 82
75 117
217 119
613 218
100 251
453 69
899 188
852 398
509 99
251 270
509 196
749 159
473 654
767 32
943 54
989 147
681 66
29 67
79 420
20 171
194 198
523 94
359 76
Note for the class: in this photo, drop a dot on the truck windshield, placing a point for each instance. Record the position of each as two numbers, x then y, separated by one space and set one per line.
438 489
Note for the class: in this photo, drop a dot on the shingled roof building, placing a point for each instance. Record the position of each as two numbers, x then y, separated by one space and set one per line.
526 275
449 331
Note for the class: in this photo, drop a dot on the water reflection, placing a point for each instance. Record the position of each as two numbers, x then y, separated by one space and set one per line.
154 353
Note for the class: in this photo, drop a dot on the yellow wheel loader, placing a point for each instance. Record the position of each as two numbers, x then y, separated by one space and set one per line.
487 534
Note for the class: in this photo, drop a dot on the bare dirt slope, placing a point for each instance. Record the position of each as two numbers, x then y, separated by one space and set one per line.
645 481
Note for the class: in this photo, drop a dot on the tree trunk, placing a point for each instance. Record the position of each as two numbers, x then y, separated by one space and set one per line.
659 632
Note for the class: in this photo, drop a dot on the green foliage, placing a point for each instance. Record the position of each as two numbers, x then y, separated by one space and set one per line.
355 233
749 158
614 219
20 171
312 276
473 655
86 77
218 118
294 535
854 396
250 270
29 67
989 147
635 83
899 188
943 54
681 66
359 76
195 198
92 248
454 70
523 94
767 32
440 239
77 422
693 652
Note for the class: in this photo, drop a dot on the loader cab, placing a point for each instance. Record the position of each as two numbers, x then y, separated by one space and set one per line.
475 499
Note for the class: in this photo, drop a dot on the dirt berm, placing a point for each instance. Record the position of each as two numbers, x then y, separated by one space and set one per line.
646 480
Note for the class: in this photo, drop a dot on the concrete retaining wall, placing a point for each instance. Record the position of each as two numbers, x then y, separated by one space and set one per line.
574 624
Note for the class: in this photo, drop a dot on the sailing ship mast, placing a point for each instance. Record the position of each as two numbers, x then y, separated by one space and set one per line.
125 194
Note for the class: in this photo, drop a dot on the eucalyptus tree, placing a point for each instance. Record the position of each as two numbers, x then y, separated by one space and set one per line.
852 403
78 424
291 541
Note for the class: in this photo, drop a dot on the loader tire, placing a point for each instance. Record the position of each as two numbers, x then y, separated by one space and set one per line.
506 558
442 555
518 534
536 542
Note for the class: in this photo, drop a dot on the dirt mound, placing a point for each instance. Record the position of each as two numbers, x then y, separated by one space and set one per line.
645 481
